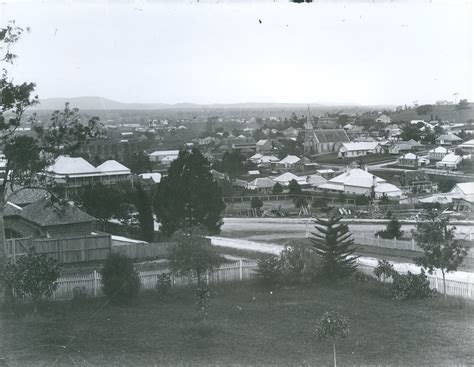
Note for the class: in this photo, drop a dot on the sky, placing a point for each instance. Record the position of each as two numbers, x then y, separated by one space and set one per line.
361 52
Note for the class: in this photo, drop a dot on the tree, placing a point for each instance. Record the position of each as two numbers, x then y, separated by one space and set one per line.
120 279
102 202
441 250
277 189
332 326
393 230
193 255
424 109
256 203
234 164
33 275
145 218
334 244
26 156
446 184
188 196
294 188
138 162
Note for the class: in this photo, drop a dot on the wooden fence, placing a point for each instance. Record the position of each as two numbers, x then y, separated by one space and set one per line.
90 285
144 250
458 288
65 250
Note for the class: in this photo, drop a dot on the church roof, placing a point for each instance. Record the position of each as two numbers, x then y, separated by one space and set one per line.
331 136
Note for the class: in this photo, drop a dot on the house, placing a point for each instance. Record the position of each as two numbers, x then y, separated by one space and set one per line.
153 177
263 160
288 162
164 156
467 146
359 149
400 147
264 146
448 139
285 179
450 161
263 184
291 132
71 173
360 182
408 160
384 119
43 218
438 153
463 197
305 164
415 178
315 180
327 173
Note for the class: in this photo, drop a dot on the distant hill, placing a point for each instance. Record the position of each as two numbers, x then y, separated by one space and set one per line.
446 113
100 103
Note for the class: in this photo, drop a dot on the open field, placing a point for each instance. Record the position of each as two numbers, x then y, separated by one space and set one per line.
248 324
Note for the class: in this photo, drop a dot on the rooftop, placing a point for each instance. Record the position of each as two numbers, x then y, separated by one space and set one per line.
65 165
112 166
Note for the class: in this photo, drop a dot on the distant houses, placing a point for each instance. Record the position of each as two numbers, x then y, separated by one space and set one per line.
359 149
164 156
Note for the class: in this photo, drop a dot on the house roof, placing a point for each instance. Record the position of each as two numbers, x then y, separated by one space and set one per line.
290 159
44 213
409 156
356 177
451 158
263 142
65 165
268 159
160 153
466 189
315 180
113 167
261 183
469 143
155 176
439 150
449 137
21 196
386 188
286 177
414 143
415 175
363 145
331 135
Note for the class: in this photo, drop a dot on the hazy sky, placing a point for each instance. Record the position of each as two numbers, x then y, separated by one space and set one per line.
369 52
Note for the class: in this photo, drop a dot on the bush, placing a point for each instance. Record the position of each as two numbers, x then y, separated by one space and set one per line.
319 203
384 270
300 201
120 281
256 203
299 265
163 284
277 189
269 270
411 286
361 200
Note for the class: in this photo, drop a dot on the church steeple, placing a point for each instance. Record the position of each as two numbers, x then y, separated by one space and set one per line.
308 133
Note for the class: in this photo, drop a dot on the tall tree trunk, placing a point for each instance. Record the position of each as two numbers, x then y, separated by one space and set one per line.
444 286
334 349
3 243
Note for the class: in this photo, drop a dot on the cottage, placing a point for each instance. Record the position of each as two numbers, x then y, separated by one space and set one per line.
359 149
164 156
467 146
450 161
315 180
448 139
285 179
417 179
263 184
438 153
384 119
463 196
264 146
288 162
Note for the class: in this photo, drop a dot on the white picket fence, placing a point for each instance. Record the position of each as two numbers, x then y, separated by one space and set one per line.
454 287
90 285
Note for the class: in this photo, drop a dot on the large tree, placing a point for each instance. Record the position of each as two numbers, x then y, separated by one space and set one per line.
189 196
333 242
27 156
441 250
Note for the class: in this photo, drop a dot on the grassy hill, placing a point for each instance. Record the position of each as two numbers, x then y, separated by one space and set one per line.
449 113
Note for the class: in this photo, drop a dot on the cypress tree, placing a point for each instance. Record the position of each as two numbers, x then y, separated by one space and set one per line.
333 242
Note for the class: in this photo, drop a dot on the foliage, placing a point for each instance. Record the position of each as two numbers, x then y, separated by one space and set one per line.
298 264
145 218
234 164
33 275
193 255
188 196
361 200
277 189
341 198
319 203
120 280
294 188
411 286
269 270
440 249
393 230
384 270
102 202
446 184
333 243
300 201
256 203
138 162
332 326
424 109
203 301
163 284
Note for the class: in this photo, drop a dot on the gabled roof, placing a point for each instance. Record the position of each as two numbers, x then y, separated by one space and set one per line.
65 165
439 150
114 167
263 142
451 158
363 145
469 143
155 176
286 177
357 177
331 136
449 137
290 159
268 159
409 156
261 183
414 143
315 180
466 188
165 152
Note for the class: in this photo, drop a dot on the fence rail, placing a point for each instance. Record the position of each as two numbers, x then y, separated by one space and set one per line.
65 250
144 250
91 284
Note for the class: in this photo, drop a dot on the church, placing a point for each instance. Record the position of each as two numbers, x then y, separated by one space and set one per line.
322 140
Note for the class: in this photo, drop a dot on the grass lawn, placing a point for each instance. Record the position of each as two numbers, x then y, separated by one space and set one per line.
248 325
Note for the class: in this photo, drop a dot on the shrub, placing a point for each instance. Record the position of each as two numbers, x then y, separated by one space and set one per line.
411 286
300 201
203 301
384 270
269 270
319 203
120 281
393 230
163 284
256 203
361 200
299 265
277 189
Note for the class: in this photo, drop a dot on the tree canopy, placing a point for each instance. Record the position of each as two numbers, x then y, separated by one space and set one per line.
189 196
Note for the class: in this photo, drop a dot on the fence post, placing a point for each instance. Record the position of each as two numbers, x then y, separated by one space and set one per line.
378 241
59 250
412 244
395 242
13 250
240 269
95 282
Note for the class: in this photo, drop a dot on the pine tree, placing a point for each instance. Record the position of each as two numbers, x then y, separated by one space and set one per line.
334 244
